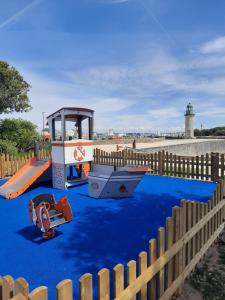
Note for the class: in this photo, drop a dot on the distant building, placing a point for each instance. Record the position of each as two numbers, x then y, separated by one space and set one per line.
189 122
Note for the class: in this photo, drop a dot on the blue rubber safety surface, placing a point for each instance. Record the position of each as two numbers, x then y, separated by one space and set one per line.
103 232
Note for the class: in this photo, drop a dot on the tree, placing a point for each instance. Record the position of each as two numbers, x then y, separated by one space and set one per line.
19 132
7 147
13 90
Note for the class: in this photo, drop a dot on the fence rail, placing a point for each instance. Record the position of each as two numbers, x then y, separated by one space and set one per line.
157 273
205 167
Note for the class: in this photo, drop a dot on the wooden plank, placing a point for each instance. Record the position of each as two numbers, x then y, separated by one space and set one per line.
202 167
131 273
1 288
64 290
179 167
175 285
193 167
163 260
167 163
142 263
207 166
175 165
85 287
171 173
184 172
21 287
197 167
222 161
153 256
193 212
40 293
19 297
118 280
198 235
161 249
206 224
169 243
183 230
7 287
189 225
176 220
202 231
188 167
160 163
103 285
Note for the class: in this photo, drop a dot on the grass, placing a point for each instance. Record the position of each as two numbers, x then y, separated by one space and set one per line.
209 276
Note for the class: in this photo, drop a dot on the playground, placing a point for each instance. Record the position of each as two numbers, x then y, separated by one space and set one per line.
103 232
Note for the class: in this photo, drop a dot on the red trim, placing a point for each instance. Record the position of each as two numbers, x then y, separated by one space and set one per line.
73 144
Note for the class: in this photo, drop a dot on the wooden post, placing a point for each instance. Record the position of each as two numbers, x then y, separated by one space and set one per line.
64 290
103 285
160 163
3 166
161 248
193 204
176 220
214 166
7 287
152 254
39 293
169 243
183 230
142 258
131 273
118 280
21 287
189 225
125 157
85 287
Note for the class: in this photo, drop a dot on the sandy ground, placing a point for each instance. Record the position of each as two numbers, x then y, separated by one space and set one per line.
113 147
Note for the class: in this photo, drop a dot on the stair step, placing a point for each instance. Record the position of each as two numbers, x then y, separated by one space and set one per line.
54 213
57 223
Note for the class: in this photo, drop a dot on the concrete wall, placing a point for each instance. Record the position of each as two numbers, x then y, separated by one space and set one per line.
128 141
191 149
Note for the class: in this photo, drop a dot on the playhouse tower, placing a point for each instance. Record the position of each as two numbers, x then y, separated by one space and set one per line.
189 122
71 130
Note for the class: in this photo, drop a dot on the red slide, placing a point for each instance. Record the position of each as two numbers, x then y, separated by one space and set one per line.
23 179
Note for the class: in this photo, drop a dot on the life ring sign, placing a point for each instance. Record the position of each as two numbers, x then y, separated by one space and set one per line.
79 153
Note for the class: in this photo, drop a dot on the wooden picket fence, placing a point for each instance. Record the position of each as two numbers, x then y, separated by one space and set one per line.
9 165
205 167
159 272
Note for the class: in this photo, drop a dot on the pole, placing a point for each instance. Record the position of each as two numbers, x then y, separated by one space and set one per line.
43 122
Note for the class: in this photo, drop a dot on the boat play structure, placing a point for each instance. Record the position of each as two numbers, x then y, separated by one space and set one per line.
114 182
71 154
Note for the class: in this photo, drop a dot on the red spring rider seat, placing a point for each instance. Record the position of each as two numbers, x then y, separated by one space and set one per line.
46 214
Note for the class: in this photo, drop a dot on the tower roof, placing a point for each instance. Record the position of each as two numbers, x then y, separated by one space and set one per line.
189 110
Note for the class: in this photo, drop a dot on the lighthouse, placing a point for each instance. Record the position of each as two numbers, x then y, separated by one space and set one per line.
189 122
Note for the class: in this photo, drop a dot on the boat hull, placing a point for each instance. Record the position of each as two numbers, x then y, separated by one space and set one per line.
107 183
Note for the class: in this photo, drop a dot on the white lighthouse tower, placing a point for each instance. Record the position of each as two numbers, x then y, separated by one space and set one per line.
189 122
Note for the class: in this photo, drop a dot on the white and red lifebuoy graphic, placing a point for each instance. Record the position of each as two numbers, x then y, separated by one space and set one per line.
79 153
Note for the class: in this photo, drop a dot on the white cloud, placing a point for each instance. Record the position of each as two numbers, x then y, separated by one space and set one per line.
214 46
148 93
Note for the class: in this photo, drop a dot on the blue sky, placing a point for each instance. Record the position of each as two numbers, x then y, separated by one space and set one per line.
136 62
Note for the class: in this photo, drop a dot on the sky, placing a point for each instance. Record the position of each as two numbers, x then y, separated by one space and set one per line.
137 63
